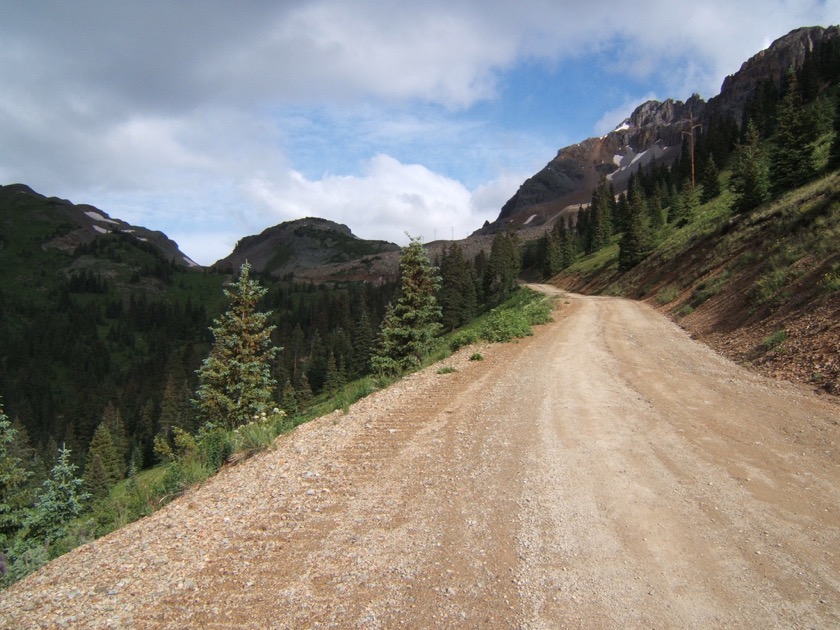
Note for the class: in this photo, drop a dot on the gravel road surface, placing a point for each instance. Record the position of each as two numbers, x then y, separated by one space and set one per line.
608 472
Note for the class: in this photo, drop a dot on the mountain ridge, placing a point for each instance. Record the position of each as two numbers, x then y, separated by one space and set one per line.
88 222
312 248
653 131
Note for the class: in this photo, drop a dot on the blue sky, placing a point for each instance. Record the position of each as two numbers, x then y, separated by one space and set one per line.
214 120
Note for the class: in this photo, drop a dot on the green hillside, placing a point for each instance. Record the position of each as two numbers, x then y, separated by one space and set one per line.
757 277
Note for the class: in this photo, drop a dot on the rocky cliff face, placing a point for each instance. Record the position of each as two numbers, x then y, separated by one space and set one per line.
773 63
653 131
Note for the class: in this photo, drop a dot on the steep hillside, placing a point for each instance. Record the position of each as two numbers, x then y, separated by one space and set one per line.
93 311
655 130
763 288
28 218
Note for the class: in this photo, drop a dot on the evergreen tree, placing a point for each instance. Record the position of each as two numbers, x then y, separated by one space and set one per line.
175 407
749 179
13 477
502 268
550 254
457 292
112 419
834 151
304 390
335 377
288 399
710 180
235 380
102 468
411 323
296 352
656 214
566 238
601 220
792 157
316 367
63 499
634 243
363 340
146 431
618 208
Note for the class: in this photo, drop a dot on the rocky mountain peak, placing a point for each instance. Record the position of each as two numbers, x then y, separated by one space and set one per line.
654 130
773 63
663 113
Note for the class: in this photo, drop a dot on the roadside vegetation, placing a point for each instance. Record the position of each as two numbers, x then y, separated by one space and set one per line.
752 246
234 414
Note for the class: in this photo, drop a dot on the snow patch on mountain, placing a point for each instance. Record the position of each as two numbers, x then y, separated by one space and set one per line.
98 217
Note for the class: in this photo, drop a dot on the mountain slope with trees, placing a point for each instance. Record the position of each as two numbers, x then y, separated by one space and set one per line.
103 334
654 133
748 258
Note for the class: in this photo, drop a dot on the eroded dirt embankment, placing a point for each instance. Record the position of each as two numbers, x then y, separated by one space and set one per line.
607 472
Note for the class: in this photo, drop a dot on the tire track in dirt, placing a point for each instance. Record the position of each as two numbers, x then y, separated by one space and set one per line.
607 472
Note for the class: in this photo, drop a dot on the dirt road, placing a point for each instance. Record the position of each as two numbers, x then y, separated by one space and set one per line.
608 472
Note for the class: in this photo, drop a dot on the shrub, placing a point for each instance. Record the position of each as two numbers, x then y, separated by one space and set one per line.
504 325
216 446
476 357
463 338
668 294
258 434
770 285
831 281
685 309
775 340
706 290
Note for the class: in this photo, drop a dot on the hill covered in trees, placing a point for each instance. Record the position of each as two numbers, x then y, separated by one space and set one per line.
747 255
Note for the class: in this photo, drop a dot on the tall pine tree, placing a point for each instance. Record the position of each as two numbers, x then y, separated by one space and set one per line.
710 181
102 467
457 292
235 380
62 499
413 321
792 157
13 476
503 267
749 179
635 241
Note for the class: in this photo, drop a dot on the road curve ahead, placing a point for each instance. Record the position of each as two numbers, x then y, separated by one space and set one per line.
608 472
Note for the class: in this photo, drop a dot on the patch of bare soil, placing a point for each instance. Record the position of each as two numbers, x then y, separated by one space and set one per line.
794 343
607 472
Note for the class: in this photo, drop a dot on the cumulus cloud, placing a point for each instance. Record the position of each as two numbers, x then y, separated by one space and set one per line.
228 118
389 199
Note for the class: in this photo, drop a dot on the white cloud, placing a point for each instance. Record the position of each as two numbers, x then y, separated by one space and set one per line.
204 247
389 199
488 199
204 119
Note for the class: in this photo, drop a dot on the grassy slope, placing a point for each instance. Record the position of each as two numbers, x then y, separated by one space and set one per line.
764 288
